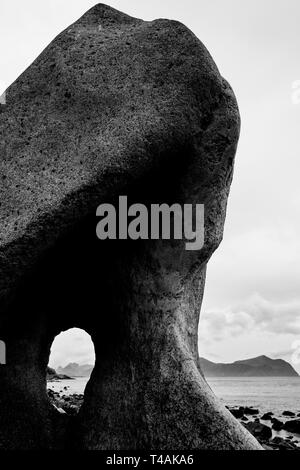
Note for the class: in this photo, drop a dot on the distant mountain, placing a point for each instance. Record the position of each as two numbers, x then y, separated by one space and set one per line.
261 366
52 375
75 370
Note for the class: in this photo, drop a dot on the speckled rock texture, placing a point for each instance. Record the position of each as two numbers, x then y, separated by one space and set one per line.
114 105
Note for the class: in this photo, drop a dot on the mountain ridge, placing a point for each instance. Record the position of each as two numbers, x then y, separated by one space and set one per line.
260 366
76 370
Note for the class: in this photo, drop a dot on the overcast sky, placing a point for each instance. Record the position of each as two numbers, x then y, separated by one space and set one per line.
252 299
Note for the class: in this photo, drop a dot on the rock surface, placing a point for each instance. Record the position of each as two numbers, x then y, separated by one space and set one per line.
248 410
277 425
267 416
281 444
68 404
288 413
273 437
259 430
292 426
53 376
237 412
114 105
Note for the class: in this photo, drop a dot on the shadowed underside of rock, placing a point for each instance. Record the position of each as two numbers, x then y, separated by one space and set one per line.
114 105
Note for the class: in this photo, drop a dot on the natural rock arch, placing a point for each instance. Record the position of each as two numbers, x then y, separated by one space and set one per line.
136 108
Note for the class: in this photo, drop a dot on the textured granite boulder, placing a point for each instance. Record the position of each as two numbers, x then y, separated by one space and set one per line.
114 105
259 430
292 426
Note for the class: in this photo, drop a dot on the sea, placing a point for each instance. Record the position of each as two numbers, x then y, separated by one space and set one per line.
275 394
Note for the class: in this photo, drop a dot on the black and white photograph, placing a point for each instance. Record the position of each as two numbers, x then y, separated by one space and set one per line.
150 228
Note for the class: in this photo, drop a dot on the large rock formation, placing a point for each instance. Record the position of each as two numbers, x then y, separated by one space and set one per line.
114 105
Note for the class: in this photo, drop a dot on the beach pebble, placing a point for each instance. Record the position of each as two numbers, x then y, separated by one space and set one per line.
281 443
259 430
237 412
267 416
277 425
251 411
292 426
288 413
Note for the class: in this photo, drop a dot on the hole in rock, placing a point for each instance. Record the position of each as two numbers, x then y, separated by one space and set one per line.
71 362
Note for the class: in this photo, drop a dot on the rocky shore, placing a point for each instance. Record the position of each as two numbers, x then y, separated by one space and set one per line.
64 403
53 376
273 432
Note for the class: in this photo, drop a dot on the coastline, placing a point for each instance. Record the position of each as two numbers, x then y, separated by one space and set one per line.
274 429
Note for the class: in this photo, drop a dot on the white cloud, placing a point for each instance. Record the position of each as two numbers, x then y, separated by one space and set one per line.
254 314
263 260
74 345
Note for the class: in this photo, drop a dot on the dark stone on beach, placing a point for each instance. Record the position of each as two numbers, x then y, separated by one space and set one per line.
244 418
267 416
70 404
281 444
292 426
52 375
277 425
50 372
237 412
259 430
251 411
257 420
114 105
72 410
288 413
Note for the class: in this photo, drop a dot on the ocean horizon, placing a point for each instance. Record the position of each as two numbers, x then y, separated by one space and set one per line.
276 394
